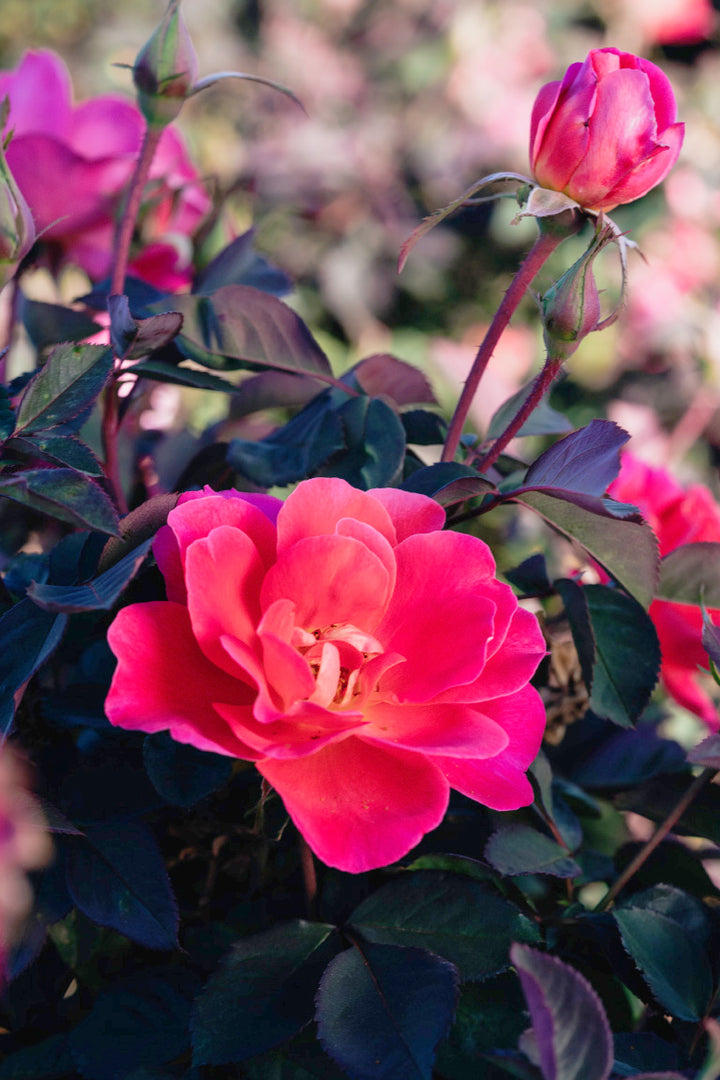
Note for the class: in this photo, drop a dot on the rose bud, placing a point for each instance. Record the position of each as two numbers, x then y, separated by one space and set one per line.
165 69
17 228
607 133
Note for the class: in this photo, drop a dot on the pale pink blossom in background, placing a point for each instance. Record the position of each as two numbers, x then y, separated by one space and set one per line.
363 657
671 22
89 151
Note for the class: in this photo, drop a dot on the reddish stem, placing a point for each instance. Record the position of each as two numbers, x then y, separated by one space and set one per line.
547 241
110 421
540 387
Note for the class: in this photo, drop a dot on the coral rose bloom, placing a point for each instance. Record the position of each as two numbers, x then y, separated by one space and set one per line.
366 660
678 516
73 163
607 133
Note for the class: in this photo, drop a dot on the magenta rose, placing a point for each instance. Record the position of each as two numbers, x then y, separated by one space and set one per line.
678 516
607 133
363 658
72 164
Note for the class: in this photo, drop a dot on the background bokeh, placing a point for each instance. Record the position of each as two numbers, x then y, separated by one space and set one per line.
407 104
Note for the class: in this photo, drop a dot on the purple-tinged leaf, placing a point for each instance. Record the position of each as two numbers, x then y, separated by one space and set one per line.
240 264
67 383
586 461
573 1036
7 413
29 636
384 374
660 1076
382 1010
242 327
100 594
272 390
628 550
47 324
520 849
509 182
448 482
691 574
711 643
706 753
65 494
132 338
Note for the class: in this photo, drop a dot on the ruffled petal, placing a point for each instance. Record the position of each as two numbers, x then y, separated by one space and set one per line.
40 94
455 730
359 806
410 512
439 617
163 682
195 518
330 579
316 506
646 174
105 127
305 731
224 574
564 143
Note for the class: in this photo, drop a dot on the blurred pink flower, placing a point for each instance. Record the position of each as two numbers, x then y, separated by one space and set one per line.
24 845
364 658
607 133
72 164
672 22
678 516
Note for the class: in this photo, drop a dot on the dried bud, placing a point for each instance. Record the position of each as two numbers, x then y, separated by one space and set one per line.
17 228
571 307
165 70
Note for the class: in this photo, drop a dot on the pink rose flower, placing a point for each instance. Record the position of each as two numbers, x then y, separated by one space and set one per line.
72 164
364 659
678 516
607 133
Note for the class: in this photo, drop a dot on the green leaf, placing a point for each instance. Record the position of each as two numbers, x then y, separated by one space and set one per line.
47 324
242 327
7 414
490 1015
691 574
382 1009
100 594
374 444
64 494
68 382
453 916
58 450
544 420
141 1020
133 338
117 877
676 970
180 773
46 1060
520 849
626 549
29 636
263 993
161 371
622 629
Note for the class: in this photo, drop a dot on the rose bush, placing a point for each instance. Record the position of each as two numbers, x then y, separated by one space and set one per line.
364 659
678 516
607 133
89 150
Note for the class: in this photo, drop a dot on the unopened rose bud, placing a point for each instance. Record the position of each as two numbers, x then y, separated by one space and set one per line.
165 70
17 228
571 307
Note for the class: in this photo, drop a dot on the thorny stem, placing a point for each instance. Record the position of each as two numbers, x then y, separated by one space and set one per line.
110 421
543 247
539 389
658 836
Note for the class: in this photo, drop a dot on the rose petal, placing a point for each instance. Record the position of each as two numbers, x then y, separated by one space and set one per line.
164 682
439 617
41 79
410 513
330 579
455 730
359 806
315 507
